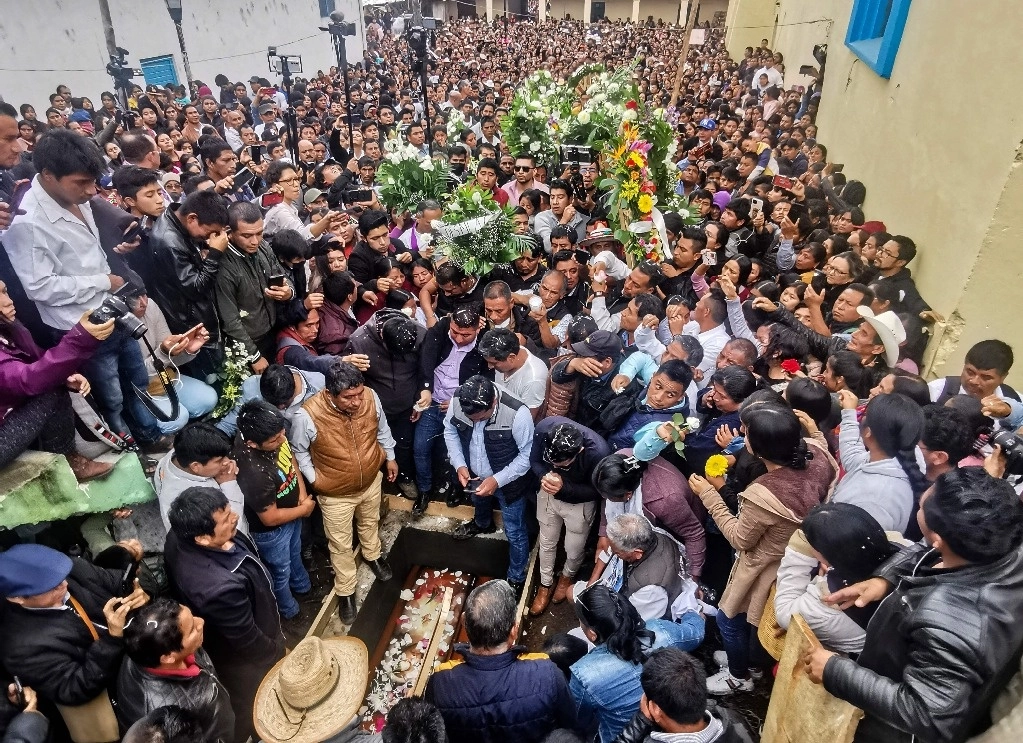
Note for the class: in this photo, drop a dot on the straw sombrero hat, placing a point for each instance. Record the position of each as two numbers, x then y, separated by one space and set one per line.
314 692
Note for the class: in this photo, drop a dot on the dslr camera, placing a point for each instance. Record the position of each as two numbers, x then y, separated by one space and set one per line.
1012 448
115 308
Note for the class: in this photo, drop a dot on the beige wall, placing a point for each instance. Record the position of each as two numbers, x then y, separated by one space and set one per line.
666 10
959 199
749 21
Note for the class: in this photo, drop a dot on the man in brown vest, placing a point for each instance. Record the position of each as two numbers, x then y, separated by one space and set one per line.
341 439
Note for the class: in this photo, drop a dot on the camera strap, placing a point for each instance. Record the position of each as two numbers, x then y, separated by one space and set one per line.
168 387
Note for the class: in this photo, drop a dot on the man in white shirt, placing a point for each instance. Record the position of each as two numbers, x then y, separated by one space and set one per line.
419 236
54 248
268 118
523 181
984 371
518 371
774 77
708 325
561 213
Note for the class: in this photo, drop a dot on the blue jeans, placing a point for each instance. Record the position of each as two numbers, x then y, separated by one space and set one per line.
735 633
115 366
429 430
196 400
514 515
281 552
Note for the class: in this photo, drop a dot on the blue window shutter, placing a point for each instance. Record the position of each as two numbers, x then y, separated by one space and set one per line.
875 32
326 8
159 70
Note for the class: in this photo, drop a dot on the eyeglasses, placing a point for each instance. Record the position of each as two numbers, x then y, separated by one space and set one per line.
289 181
523 168
887 252
832 270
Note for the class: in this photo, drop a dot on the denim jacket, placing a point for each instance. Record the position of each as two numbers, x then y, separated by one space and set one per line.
606 689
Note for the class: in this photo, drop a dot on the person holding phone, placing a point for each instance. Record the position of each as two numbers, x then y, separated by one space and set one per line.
285 181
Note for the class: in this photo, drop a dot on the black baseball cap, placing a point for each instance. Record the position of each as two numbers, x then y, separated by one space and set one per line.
599 344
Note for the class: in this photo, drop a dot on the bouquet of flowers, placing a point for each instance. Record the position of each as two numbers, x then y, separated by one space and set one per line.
531 126
236 370
598 113
476 233
406 178
456 123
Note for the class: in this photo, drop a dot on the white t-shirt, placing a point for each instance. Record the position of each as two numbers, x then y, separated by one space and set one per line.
529 383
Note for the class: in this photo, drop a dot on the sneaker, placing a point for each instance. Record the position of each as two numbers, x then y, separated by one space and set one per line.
721 659
724 683
469 529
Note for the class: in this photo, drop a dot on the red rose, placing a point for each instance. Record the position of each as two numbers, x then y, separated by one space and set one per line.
790 365
632 104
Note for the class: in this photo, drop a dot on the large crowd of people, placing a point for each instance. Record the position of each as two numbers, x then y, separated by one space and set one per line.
731 436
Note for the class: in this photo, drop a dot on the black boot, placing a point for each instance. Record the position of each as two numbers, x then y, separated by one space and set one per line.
422 501
380 569
346 609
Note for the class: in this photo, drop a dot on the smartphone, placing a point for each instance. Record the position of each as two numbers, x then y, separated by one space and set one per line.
709 257
701 150
19 693
256 152
783 182
133 232
19 192
270 199
276 280
796 211
128 579
243 175
358 195
756 207
837 167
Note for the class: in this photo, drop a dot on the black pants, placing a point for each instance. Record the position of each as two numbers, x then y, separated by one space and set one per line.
404 432
46 422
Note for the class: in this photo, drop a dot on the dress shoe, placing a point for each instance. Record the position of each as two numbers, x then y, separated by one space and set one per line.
408 489
469 529
87 469
540 601
380 569
422 501
561 590
346 609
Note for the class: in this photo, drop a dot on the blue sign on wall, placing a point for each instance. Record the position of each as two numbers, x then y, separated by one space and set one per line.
159 70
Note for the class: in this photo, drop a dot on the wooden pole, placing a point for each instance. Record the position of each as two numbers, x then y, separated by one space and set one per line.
694 8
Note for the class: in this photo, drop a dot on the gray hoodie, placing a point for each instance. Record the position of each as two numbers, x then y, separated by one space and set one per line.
170 481
880 488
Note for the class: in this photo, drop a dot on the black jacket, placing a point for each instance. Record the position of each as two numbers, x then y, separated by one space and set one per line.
939 648
576 485
52 651
436 346
232 591
139 692
394 378
363 260
184 282
514 697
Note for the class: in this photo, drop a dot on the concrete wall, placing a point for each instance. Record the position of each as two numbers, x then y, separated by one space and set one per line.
226 36
957 197
749 21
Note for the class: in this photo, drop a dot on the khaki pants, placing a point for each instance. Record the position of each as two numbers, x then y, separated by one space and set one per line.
338 513
577 519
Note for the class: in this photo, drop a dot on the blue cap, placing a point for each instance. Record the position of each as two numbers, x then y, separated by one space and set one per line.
708 124
32 569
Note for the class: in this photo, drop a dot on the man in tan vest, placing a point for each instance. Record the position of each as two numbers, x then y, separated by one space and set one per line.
341 438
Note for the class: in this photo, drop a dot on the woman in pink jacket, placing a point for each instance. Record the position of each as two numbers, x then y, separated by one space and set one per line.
35 408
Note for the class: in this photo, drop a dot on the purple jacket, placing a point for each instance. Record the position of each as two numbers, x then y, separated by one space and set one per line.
26 370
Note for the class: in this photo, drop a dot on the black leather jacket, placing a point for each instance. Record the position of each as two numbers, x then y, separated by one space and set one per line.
938 650
139 692
184 281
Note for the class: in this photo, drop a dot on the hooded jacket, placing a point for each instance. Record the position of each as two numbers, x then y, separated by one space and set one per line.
880 488
394 378
938 649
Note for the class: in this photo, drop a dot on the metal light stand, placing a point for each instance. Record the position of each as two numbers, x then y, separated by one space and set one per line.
338 30
290 116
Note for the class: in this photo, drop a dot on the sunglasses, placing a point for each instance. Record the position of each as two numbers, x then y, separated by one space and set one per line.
522 168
